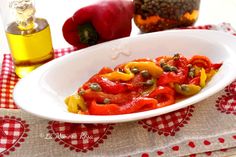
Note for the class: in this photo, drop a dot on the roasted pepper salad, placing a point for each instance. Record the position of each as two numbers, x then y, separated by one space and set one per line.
142 84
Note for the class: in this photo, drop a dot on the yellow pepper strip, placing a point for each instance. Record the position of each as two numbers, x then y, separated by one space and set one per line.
197 70
151 67
210 74
203 78
187 89
116 76
75 103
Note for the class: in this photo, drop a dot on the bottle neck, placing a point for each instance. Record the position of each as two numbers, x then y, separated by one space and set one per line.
26 25
24 11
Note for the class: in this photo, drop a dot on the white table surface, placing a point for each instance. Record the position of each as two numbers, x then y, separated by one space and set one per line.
57 11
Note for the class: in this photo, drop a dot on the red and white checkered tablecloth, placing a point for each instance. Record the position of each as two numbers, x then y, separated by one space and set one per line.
206 129
9 79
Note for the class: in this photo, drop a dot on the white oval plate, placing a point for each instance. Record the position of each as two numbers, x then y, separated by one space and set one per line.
42 92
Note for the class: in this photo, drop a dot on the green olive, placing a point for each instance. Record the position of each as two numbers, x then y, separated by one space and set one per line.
95 87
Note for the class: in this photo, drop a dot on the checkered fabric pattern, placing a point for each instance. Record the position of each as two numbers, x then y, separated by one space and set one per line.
10 131
7 83
8 78
228 103
167 122
80 136
231 88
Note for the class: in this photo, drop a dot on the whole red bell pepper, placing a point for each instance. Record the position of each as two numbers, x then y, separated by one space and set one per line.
103 21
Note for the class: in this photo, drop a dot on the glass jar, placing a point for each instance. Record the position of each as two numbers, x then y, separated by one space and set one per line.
157 15
29 38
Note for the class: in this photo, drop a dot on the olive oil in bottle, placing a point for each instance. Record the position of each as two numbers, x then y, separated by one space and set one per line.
29 38
29 49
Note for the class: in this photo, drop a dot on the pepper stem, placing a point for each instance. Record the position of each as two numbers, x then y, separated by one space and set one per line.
88 34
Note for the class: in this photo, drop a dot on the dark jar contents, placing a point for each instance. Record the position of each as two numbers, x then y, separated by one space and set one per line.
157 15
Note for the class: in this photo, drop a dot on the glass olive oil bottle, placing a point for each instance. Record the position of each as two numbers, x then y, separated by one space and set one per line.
30 49
29 38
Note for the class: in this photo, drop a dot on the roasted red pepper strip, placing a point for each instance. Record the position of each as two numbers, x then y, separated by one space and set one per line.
137 82
103 21
164 96
136 105
175 77
195 80
107 85
110 86
165 59
104 70
216 66
169 77
200 61
99 97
